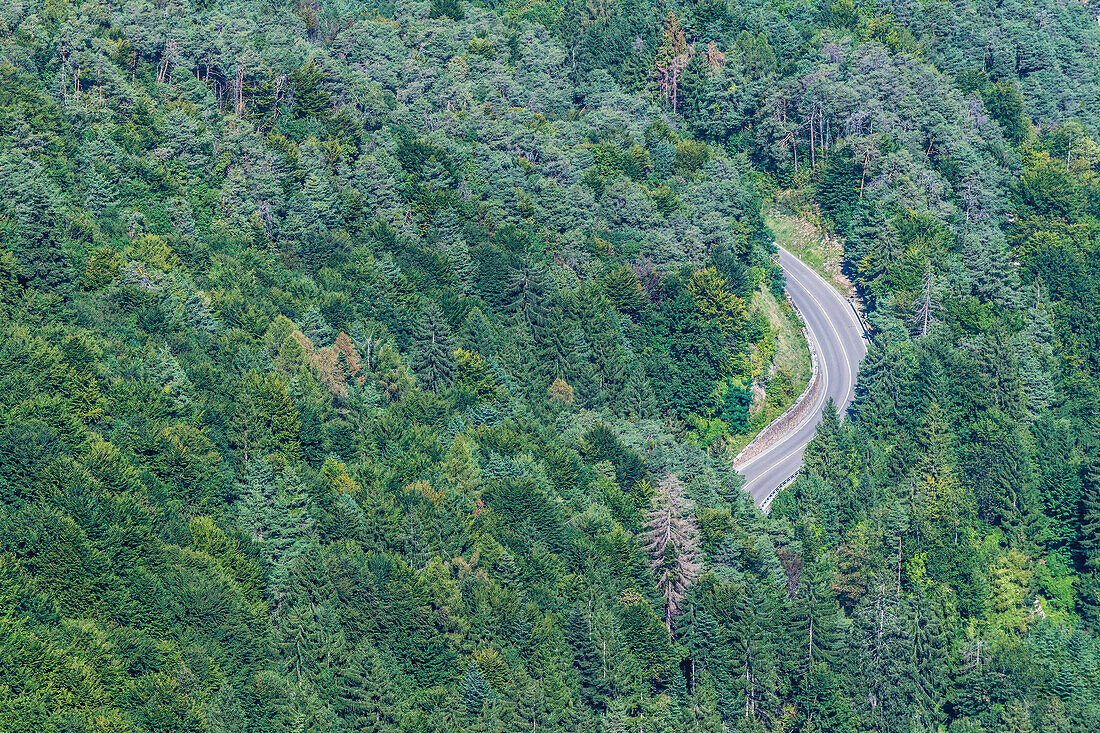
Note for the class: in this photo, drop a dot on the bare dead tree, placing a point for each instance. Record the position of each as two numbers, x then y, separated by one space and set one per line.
672 541
926 306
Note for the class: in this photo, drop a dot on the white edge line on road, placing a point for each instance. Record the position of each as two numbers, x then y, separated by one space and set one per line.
815 414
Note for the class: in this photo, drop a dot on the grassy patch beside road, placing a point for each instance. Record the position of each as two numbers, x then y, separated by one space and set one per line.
789 372
818 249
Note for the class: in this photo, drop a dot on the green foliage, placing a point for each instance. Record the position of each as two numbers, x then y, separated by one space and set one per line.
310 99
447 8
837 189
394 323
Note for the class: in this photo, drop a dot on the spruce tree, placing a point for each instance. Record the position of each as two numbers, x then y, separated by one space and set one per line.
587 660
432 358
476 692
37 240
366 698
1088 550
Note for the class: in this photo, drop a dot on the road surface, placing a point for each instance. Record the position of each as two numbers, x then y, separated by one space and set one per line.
838 336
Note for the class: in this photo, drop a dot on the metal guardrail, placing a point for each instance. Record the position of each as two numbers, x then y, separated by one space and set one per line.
767 503
863 324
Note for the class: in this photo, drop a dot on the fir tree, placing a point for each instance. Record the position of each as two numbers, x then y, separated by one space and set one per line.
637 400
926 305
814 614
1088 549
928 665
838 189
310 98
223 712
316 328
529 291
462 267
101 197
170 375
477 334
580 372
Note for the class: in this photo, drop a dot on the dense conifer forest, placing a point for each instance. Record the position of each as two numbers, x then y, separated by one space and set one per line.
377 365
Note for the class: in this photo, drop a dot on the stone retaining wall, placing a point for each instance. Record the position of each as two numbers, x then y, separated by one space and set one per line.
795 414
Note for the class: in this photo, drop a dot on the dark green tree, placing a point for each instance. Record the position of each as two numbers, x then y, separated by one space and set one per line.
310 97
36 239
432 357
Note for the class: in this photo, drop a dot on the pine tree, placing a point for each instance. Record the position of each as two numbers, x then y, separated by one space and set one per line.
821 703
1055 719
555 343
446 8
432 358
673 57
671 539
881 646
698 632
1035 355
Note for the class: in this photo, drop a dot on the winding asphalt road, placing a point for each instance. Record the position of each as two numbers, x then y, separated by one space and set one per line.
838 337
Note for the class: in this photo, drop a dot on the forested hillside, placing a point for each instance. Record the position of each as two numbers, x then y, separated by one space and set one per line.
378 366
